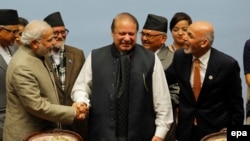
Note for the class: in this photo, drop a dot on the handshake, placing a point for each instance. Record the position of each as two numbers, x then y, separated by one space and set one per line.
82 110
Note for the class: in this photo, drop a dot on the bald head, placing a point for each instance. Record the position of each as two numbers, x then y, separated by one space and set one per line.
204 29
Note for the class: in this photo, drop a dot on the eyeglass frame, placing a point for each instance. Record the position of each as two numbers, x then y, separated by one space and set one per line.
15 32
65 32
149 36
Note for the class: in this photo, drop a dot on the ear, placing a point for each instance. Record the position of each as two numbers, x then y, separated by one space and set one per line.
112 34
204 43
34 45
164 39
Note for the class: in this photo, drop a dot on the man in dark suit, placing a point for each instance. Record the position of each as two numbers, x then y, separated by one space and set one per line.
219 103
66 63
8 33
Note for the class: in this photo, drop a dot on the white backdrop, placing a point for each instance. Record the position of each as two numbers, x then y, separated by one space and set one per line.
89 20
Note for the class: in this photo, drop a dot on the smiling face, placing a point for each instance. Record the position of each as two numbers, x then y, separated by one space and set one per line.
199 38
124 33
43 46
152 39
8 35
60 34
179 31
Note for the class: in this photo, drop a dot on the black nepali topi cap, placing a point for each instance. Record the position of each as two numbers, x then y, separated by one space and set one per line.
54 19
155 22
8 17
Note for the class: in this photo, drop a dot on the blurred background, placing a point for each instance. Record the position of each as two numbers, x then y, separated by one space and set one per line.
89 21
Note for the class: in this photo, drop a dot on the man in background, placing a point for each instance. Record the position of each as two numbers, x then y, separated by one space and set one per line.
153 37
22 22
8 33
65 62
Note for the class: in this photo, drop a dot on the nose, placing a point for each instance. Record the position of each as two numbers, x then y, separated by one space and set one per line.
53 42
127 37
180 32
185 37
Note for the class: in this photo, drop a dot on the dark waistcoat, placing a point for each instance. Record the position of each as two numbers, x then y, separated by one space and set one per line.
102 119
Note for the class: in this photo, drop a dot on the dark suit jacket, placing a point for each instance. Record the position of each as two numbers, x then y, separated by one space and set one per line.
220 103
74 61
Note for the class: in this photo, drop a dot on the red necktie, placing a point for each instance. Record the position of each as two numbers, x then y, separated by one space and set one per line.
197 79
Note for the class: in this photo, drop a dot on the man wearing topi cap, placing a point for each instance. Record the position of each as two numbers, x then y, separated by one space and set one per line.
8 32
153 37
66 63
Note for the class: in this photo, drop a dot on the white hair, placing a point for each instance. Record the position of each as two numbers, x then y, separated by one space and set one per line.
34 31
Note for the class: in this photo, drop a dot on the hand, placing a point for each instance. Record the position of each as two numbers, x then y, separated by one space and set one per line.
155 138
81 110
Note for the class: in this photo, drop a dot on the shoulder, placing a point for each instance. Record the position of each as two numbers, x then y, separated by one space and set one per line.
101 49
67 47
247 46
222 59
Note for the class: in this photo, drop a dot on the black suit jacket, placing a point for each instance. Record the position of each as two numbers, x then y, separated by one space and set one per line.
220 103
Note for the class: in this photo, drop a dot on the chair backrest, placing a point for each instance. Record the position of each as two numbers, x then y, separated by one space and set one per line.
54 135
218 136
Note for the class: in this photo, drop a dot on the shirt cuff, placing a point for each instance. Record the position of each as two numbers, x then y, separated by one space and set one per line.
161 132
79 97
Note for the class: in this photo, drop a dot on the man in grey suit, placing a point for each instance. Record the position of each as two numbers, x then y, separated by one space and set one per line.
32 100
8 33
66 62
153 37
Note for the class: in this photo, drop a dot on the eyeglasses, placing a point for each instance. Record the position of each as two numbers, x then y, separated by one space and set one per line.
149 36
15 32
63 32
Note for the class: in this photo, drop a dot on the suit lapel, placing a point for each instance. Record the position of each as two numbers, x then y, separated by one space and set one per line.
69 66
3 64
211 73
188 61
50 65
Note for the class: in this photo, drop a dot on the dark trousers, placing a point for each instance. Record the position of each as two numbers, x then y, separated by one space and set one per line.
196 134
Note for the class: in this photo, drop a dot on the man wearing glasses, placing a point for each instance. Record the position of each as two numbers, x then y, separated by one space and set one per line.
8 32
66 62
153 37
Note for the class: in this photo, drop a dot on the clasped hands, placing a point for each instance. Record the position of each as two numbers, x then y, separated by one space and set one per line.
82 110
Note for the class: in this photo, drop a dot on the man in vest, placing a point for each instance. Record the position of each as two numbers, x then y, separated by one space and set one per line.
125 87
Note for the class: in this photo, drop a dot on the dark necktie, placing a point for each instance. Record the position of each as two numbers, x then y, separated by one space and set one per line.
123 97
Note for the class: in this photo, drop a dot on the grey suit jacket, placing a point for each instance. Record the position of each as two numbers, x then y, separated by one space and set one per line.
165 56
3 68
32 100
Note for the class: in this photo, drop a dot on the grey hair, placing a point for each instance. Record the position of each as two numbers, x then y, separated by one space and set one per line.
34 31
210 37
